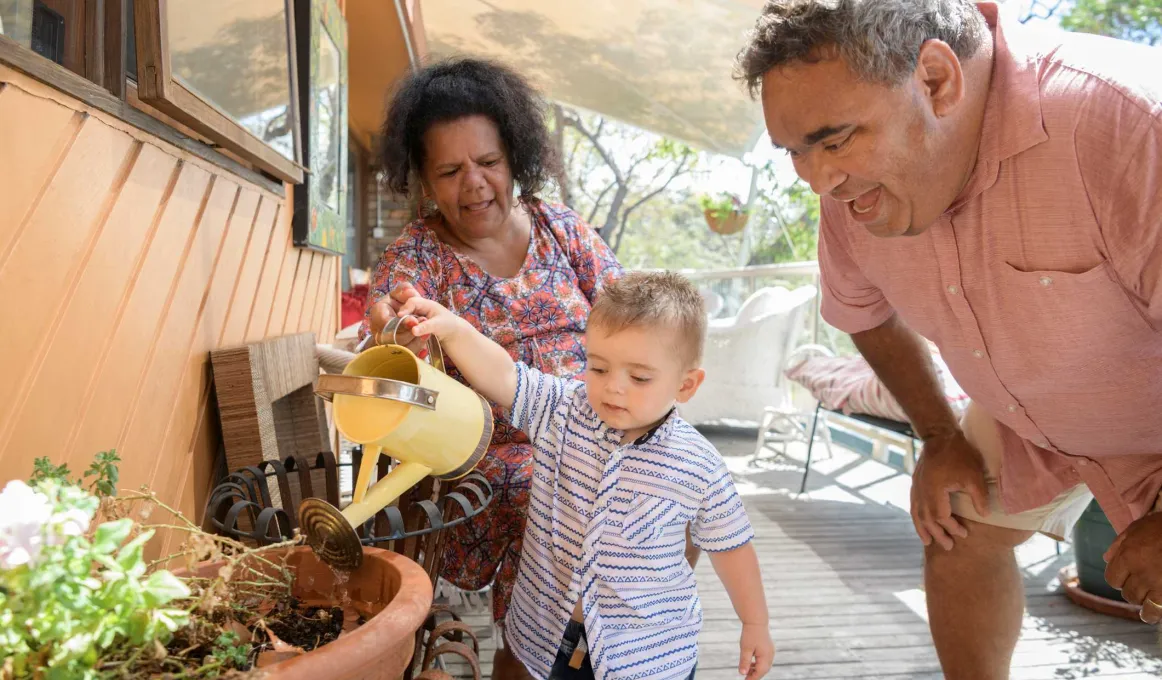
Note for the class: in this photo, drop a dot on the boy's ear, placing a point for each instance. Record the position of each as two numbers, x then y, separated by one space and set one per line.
690 384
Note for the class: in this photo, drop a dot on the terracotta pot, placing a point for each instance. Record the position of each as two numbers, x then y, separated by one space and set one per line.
390 591
732 224
1102 605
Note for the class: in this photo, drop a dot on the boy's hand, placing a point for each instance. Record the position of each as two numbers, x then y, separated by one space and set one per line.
436 319
758 651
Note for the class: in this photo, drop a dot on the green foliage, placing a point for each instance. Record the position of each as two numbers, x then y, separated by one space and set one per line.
43 470
792 225
672 234
1135 20
672 150
103 470
76 599
231 651
722 206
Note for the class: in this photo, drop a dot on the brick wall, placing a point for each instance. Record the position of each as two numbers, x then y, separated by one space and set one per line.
385 221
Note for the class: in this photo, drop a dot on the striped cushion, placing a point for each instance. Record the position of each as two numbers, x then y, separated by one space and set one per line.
848 385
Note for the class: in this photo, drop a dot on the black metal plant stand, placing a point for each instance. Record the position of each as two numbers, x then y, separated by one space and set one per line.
243 507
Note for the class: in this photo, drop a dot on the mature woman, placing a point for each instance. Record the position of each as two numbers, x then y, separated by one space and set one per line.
469 136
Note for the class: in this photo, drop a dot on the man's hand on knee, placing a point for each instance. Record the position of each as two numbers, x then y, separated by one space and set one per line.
948 464
1134 565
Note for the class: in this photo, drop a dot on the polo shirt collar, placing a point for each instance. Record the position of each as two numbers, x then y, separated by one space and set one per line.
1012 117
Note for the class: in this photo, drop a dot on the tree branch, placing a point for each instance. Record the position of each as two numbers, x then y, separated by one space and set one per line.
562 174
595 140
597 203
1049 9
636 162
624 221
678 171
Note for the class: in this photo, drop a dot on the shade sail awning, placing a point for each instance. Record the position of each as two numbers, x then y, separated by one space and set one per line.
661 65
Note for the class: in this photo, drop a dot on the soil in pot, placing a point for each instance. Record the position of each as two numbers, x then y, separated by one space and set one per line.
293 617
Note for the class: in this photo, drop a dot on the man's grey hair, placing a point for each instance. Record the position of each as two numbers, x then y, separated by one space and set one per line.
878 39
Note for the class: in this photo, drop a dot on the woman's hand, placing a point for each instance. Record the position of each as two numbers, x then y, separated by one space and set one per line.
388 308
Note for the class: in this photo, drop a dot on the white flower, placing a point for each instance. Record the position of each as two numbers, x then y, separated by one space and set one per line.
23 515
73 522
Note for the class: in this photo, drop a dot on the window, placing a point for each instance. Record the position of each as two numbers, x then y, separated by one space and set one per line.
54 29
226 69
221 72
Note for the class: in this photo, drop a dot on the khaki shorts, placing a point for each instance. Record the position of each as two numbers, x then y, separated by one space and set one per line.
1055 519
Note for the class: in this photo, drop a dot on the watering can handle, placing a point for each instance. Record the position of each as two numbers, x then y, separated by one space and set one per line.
435 351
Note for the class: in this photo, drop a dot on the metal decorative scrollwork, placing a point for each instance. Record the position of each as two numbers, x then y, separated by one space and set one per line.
473 483
242 507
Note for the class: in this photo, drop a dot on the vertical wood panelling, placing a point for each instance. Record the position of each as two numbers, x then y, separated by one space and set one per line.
296 259
34 138
307 309
276 259
45 254
109 402
223 287
158 390
294 314
242 301
90 315
326 282
329 288
123 262
195 382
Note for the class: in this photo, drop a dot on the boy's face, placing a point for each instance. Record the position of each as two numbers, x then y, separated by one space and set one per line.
635 375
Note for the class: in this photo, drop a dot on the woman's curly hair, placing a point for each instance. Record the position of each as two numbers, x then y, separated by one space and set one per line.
459 87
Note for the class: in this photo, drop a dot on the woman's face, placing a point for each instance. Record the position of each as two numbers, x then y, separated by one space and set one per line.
466 173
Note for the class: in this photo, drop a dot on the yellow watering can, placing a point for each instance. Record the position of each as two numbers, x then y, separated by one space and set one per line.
390 401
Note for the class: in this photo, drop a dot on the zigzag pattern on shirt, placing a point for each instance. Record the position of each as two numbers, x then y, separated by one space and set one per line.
606 525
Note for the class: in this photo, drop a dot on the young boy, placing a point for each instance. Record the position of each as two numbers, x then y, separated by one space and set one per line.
604 589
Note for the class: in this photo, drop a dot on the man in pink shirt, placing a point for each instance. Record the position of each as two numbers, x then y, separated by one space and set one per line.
998 192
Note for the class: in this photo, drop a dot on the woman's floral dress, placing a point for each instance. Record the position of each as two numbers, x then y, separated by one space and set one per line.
539 316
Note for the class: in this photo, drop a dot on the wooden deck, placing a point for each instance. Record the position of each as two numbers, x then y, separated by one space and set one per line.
842 567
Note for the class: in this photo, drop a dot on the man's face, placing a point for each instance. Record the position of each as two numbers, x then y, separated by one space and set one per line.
881 150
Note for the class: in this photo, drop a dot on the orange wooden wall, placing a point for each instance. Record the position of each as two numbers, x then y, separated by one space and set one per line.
123 262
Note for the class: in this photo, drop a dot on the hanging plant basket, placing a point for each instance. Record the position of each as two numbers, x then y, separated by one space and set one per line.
728 224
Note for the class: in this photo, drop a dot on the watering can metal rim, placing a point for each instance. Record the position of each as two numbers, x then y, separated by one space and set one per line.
378 388
386 388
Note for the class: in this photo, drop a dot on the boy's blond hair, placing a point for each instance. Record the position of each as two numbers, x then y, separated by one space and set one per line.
657 300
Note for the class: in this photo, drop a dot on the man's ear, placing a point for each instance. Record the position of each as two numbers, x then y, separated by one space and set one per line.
940 77
690 384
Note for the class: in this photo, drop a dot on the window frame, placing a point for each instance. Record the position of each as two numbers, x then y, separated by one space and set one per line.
157 87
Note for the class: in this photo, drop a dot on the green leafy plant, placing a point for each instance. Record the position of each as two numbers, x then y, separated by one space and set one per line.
82 601
70 596
722 206
230 650
103 470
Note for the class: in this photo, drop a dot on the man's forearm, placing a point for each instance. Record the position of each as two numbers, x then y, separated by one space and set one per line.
900 357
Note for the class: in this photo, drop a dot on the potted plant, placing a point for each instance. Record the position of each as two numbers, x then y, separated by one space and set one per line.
725 214
1085 581
80 599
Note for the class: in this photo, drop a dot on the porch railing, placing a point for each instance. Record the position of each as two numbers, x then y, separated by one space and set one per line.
735 285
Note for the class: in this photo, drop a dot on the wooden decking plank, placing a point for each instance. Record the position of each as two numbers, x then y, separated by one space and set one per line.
836 577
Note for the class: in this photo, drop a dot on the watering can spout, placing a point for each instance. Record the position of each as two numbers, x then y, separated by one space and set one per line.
390 401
